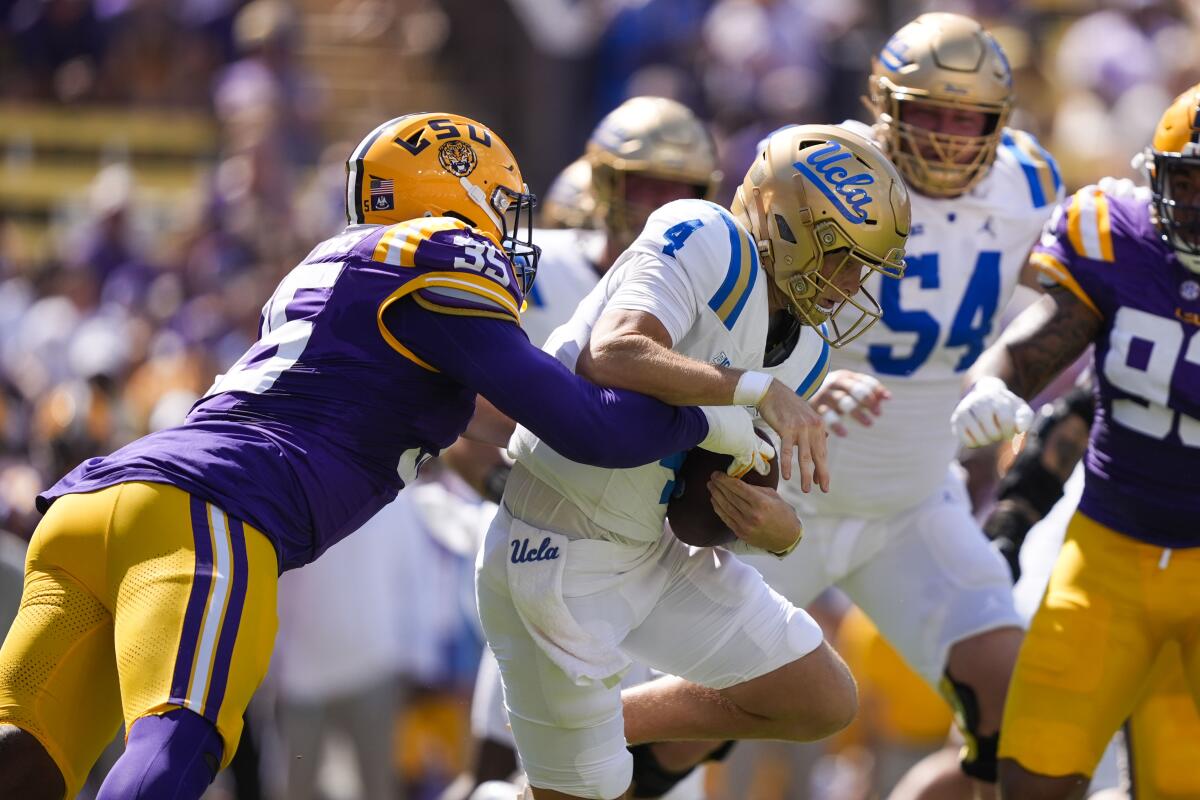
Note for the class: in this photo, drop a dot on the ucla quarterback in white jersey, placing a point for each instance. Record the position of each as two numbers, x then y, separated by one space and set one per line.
576 578
896 530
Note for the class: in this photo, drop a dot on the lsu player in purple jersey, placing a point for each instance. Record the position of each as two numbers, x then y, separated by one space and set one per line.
1123 275
150 583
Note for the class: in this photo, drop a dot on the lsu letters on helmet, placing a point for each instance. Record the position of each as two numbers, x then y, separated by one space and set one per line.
443 165
946 60
569 202
816 190
651 136
1172 163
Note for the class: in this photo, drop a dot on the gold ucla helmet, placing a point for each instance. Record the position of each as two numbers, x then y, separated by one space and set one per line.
1176 149
652 136
946 60
443 165
817 190
569 202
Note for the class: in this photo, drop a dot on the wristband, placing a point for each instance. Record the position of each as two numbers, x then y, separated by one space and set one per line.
751 388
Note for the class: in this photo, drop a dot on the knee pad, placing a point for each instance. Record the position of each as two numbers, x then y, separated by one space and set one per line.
175 755
978 756
587 762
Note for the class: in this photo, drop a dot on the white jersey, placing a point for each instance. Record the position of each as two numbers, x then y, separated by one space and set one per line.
696 269
567 271
964 256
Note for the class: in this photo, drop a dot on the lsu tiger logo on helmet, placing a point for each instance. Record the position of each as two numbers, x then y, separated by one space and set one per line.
1172 163
947 61
827 209
443 165
651 136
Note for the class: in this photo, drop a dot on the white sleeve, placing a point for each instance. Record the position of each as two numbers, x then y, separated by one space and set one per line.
659 287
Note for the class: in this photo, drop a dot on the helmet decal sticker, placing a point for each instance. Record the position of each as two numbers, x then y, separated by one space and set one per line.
820 167
458 158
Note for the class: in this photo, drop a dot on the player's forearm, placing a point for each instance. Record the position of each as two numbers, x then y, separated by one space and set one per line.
1039 344
642 365
604 427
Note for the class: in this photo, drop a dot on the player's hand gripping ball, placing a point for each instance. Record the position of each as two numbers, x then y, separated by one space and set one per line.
690 510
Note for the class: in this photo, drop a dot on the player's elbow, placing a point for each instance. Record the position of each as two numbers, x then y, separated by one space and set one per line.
611 361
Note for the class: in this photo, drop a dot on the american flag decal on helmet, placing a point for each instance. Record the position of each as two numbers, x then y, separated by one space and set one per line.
382 194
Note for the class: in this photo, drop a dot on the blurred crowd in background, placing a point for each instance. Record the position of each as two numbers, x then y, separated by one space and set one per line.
166 162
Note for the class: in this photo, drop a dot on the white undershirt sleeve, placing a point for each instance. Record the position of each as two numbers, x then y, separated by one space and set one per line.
659 287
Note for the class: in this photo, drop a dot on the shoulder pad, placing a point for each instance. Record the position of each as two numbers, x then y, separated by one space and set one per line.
1037 167
1088 224
713 249
456 269
399 244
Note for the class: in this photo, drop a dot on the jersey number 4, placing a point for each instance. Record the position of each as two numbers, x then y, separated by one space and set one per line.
971 325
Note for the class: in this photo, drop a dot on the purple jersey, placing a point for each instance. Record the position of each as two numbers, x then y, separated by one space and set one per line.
333 409
1144 455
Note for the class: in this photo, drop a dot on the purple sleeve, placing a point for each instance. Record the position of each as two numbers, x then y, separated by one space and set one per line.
611 428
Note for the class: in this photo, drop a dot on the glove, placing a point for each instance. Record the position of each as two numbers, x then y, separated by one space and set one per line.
990 413
731 431
1123 188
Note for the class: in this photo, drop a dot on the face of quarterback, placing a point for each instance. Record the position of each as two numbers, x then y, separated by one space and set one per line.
845 276
944 120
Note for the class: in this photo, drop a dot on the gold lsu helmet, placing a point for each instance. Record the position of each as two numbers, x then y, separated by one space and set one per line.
652 136
945 60
1176 147
816 190
443 165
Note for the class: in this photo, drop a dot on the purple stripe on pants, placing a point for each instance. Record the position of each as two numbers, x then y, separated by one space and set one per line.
202 577
233 618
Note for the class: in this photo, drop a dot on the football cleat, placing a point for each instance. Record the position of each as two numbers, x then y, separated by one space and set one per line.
1172 163
816 191
443 165
651 136
950 61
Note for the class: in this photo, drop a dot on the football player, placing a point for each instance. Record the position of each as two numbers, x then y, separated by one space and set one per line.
896 533
150 583
576 577
1123 275
645 153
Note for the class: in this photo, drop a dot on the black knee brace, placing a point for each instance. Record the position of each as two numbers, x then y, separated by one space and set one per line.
649 777
978 756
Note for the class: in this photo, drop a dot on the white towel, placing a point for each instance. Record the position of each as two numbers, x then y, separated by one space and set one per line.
535 562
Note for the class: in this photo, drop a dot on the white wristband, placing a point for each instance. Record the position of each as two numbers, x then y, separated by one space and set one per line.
751 388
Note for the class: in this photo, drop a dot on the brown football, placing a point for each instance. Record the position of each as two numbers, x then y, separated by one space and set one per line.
690 511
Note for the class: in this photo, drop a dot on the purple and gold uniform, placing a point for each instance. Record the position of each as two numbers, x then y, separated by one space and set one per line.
1127 581
150 584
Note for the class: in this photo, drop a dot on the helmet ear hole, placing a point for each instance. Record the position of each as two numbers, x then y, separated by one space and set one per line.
785 230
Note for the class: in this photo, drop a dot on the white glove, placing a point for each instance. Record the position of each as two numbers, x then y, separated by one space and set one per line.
1123 188
731 431
990 413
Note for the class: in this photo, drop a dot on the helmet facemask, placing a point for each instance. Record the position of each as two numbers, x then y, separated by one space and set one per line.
1176 206
936 164
515 209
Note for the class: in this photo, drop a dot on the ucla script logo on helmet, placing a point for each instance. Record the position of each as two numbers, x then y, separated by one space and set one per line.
841 188
458 158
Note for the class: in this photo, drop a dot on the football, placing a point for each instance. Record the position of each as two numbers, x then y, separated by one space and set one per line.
690 511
